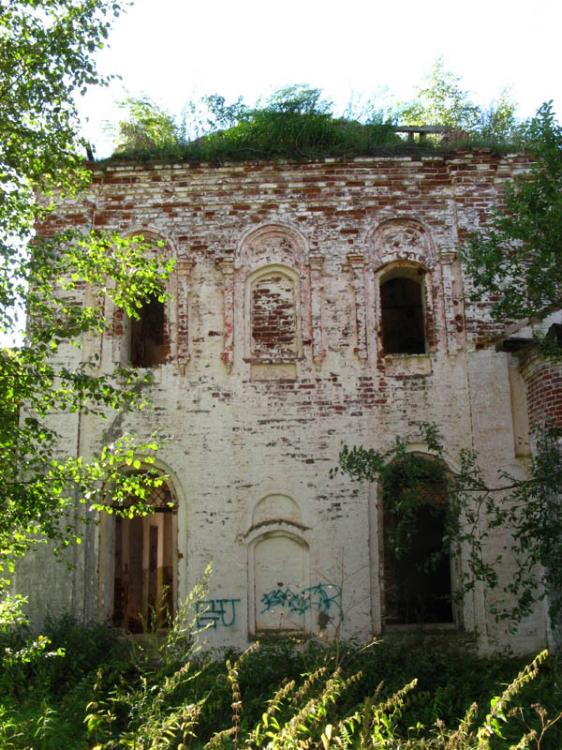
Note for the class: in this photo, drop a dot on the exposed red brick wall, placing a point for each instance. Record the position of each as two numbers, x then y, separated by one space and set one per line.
273 317
241 419
544 391
207 208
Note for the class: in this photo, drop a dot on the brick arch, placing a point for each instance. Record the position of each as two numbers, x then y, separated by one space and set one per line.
400 238
272 243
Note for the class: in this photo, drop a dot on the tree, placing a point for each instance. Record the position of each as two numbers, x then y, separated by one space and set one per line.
443 101
47 59
146 127
514 262
528 509
517 256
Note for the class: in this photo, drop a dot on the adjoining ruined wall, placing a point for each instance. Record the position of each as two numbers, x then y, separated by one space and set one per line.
544 390
543 381
275 359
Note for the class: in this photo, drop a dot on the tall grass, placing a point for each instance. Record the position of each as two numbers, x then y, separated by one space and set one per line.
102 691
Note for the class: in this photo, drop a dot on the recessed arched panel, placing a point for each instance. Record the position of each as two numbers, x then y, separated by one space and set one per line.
280 578
273 315
276 508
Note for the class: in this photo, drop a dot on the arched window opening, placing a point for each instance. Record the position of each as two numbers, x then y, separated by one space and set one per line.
148 334
273 317
143 592
417 563
403 329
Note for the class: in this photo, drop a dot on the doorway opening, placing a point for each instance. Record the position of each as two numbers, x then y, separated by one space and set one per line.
144 566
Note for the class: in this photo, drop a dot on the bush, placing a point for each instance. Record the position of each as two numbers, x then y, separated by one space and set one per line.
161 692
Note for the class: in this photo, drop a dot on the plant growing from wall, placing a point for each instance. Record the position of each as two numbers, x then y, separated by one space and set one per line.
528 509
296 122
443 101
146 126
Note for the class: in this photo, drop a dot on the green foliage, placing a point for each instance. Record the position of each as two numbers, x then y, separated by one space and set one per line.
296 122
299 99
146 127
100 694
514 263
292 124
273 134
47 58
401 483
528 509
443 101
147 703
515 259
223 115
401 475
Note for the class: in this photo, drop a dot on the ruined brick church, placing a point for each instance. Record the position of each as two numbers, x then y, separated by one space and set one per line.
312 305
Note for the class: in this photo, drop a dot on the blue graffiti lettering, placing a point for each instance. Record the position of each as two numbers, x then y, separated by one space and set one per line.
324 597
215 612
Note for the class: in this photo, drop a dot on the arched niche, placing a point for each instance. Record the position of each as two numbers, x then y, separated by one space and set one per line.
278 567
273 314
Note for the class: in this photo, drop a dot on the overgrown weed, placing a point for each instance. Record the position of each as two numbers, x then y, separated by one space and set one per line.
107 693
296 123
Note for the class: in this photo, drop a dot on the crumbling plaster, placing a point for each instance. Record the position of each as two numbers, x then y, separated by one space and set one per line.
235 430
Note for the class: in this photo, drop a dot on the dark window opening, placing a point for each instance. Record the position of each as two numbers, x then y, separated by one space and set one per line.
144 567
417 582
403 327
148 340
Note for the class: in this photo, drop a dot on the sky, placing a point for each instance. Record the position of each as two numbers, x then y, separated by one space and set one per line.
176 50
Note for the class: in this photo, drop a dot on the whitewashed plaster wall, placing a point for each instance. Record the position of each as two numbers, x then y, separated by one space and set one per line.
235 431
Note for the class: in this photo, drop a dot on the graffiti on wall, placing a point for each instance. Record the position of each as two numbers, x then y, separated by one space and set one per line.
324 598
216 613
